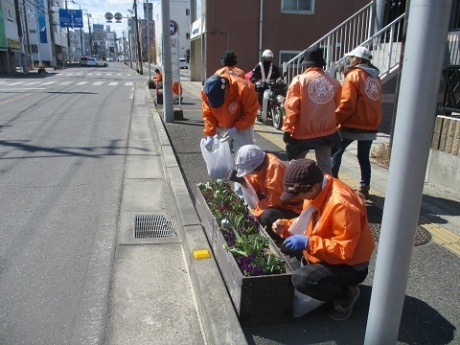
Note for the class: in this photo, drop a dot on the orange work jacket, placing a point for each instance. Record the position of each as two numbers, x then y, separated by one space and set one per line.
340 233
231 70
269 182
239 109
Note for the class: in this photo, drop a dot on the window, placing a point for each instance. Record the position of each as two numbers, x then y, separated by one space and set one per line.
286 55
34 48
187 36
187 12
298 6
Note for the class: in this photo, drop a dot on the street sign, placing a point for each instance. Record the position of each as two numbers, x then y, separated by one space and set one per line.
70 18
109 17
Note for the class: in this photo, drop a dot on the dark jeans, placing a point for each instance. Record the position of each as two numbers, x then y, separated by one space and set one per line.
326 282
269 215
364 149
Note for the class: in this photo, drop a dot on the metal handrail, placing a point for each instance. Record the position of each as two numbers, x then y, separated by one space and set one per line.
385 44
342 39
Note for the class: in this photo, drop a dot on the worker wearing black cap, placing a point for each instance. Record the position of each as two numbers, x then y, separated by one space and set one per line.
229 61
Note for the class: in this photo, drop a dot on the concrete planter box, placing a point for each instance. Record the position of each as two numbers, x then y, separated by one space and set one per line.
257 300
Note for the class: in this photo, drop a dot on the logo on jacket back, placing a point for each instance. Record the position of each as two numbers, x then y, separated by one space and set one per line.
372 88
320 90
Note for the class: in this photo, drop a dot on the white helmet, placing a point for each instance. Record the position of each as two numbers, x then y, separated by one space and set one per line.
248 158
267 54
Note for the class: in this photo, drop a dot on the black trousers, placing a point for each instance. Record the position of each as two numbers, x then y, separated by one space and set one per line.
270 215
326 282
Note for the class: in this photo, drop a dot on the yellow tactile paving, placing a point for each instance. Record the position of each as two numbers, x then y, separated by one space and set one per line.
440 235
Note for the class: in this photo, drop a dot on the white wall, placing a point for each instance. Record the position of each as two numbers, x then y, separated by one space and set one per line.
178 14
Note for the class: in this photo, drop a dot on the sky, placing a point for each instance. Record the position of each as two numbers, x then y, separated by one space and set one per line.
98 9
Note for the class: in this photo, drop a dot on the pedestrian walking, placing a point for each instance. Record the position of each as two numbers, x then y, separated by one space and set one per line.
310 105
229 61
333 234
359 114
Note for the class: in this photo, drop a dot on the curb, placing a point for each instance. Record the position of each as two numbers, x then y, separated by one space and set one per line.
217 314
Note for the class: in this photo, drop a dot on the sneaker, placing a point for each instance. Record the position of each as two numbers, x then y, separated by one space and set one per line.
363 192
342 310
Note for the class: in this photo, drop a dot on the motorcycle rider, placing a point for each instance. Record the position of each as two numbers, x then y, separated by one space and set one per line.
265 71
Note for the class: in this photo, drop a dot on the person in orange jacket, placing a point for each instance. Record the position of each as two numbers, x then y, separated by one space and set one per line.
359 114
229 61
158 79
311 100
229 109
261 174
333 234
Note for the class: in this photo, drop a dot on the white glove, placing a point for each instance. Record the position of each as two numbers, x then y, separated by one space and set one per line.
228 134
208 143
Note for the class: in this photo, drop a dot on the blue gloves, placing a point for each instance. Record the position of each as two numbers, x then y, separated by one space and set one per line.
208 143
228 134
296 242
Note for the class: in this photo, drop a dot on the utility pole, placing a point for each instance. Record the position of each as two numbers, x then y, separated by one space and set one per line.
139 51
68 38
53 47
90 40
147 17
27 40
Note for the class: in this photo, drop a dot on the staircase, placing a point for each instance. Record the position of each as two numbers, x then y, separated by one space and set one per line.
385 44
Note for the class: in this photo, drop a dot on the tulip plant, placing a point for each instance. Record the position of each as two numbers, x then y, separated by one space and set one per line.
241 231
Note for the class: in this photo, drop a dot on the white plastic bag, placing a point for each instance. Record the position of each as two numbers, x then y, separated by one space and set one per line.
218 160
303 304
249 195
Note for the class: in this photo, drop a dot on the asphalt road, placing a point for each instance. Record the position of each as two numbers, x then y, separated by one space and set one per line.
63 138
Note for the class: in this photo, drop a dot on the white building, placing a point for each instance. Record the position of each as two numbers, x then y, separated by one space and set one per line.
180 14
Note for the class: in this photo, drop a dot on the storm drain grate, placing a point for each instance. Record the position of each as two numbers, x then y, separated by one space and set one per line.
153 226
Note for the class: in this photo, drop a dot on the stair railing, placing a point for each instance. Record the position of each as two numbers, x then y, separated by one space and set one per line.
342 39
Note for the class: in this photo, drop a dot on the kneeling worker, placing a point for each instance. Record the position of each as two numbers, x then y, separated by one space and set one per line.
264 173
333 233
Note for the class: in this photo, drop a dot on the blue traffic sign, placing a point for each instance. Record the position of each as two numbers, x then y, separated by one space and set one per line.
70 18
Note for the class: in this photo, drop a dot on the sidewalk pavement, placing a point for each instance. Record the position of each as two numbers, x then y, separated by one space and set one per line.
165 295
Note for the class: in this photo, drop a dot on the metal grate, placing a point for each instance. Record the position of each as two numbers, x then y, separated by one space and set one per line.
153 226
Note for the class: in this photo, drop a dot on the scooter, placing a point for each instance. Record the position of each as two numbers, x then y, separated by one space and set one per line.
273 104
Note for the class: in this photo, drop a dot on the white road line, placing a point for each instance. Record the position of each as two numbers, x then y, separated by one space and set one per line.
17 83
81 83
113 83
32 83
97 83
49 83
65 83
128 83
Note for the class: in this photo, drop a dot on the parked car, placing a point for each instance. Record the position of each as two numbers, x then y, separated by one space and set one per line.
83 61
93 62
183 63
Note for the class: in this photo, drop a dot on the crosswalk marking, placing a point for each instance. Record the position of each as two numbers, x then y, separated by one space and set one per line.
25 83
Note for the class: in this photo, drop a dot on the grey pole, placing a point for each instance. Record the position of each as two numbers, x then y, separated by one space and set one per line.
421 75
147 20
167 68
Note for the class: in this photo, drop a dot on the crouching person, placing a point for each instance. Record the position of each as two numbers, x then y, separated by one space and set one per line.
332 232
261 174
